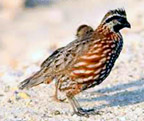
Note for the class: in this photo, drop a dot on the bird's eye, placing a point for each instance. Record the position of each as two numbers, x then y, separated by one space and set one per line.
91 30
87 32
121 20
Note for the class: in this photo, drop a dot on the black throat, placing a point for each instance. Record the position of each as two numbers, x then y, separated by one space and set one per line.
117 27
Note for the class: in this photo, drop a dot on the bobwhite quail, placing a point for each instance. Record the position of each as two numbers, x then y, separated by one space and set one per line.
86 63
83 32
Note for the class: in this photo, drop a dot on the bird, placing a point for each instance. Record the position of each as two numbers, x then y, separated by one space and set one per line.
84 63
83 31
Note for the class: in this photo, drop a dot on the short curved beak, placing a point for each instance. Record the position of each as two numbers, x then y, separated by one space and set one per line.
127 24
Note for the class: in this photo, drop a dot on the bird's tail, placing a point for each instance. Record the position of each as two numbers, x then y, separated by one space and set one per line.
34 80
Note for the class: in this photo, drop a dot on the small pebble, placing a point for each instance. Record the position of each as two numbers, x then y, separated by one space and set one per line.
57 112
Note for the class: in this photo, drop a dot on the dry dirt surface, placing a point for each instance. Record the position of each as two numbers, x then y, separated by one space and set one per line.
30 37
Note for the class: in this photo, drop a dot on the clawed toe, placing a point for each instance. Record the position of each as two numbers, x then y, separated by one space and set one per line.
58 100
62 100
87 112
84 112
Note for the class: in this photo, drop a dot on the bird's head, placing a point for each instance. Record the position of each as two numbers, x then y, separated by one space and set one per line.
84 30
116 20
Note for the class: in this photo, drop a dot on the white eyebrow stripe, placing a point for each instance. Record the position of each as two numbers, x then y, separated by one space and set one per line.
113 16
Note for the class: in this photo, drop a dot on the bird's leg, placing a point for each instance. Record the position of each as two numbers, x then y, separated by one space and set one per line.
74 104
56 93
77 108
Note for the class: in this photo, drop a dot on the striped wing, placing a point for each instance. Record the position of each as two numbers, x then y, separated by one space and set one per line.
62 59
54 55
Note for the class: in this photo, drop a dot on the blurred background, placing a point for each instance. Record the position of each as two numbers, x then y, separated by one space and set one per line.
30 30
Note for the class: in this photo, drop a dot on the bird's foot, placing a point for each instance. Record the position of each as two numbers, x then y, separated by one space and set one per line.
84 112
58 100
62 100
87 112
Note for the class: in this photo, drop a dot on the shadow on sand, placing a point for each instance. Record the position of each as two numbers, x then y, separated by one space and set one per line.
119 95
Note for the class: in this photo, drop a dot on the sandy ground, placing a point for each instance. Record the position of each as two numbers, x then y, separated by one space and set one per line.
28 39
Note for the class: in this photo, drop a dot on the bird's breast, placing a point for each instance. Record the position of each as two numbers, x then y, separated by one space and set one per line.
97 62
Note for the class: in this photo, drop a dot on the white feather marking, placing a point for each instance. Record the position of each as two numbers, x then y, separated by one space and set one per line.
97 50
88 78
106 46
102 76
90 57
95 41
103 55
103 60
108 58
82 71
97 71
88 71
80 64
79 71
109 54
103 42
94 65
96 76
97 45
104 67
103 71
106 51
109 41
113 45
